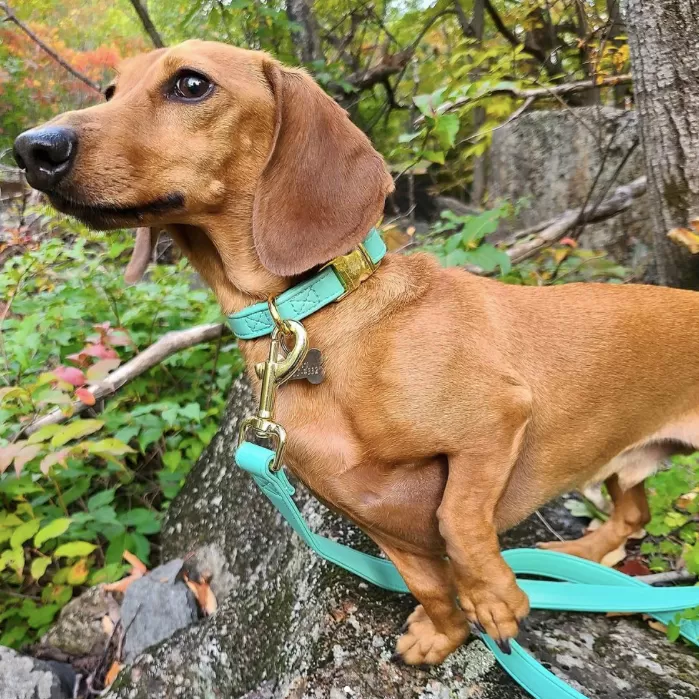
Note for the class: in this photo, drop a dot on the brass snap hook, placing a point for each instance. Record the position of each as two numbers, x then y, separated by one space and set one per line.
283 325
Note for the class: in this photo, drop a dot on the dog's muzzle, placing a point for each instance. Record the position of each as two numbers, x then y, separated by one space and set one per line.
46 155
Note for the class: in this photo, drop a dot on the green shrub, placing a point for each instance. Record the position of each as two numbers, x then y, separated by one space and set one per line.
75 496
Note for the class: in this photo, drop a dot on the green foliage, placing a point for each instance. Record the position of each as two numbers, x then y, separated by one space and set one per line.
465 242
75 496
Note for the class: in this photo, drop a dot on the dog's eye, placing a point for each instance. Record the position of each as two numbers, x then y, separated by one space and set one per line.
191 86
109 92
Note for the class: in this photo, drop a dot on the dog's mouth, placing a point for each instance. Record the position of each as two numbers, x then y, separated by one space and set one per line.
105 216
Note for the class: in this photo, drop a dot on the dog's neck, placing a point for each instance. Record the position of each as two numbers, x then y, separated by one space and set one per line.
232 270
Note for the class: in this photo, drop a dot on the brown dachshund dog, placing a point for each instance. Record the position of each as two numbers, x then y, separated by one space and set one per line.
453 405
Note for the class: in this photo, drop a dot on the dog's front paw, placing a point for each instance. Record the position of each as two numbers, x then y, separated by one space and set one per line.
423 644
496 610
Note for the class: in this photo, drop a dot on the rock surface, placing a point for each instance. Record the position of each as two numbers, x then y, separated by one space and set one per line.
561 159
290 626
22 677
78 630
154 607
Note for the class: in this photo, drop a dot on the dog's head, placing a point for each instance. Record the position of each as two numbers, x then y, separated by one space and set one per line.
212 138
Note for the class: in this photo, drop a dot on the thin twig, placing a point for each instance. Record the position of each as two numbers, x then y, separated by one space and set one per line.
548 526
536 93
12 17
167 345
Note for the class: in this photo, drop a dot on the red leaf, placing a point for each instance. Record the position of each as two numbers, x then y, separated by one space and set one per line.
54 457
100 351
8 453
119 337
79 358
70 375
569 241
26 454
85 396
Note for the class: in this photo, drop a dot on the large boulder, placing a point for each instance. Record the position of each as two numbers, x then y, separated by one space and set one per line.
552 161
292 626
23 677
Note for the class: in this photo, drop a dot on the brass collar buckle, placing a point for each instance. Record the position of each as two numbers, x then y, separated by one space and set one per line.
352 269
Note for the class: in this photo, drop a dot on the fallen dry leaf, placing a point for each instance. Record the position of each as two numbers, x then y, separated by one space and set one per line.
657 626
112 673
634 566
107 625
138 570
135 562
683 236
684 500
203 593
614 557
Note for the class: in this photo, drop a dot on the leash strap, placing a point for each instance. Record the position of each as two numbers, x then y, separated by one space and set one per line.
306 298
587 586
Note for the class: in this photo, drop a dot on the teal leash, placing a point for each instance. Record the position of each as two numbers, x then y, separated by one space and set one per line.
584 586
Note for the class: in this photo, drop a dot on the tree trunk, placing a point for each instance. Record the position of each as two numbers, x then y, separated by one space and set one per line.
663 42
305 36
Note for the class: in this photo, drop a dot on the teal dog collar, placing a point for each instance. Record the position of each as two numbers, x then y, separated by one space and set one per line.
334 281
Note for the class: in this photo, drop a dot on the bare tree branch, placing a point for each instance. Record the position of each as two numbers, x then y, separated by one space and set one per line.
168 344
393 63
511 36
12 17
537 93
553 230
147 23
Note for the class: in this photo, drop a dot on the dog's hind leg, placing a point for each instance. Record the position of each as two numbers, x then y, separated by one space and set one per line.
629 515
437 626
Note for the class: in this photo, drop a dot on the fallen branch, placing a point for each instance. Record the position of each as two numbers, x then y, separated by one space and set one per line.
168 344
533 94
672 576
552 230
12 17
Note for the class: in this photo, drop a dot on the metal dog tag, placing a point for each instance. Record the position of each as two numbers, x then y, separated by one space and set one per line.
312 367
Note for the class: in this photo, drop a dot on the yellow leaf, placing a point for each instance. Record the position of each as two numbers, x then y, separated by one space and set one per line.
77 575
39 566
683 236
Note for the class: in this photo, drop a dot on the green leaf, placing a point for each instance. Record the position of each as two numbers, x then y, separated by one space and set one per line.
488 258
453 242
51 531
192 411
39 566
24 532
101 499
434 156
46 432
74 549
446 128
673 631
76 430
110 446
143 520
578 509
41 616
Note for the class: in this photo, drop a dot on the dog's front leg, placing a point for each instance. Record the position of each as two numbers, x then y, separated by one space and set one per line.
437 626
478 477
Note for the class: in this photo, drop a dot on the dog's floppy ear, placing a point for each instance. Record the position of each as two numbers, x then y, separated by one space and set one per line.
146 240
323 186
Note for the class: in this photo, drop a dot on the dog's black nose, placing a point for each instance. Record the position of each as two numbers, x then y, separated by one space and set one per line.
46 154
